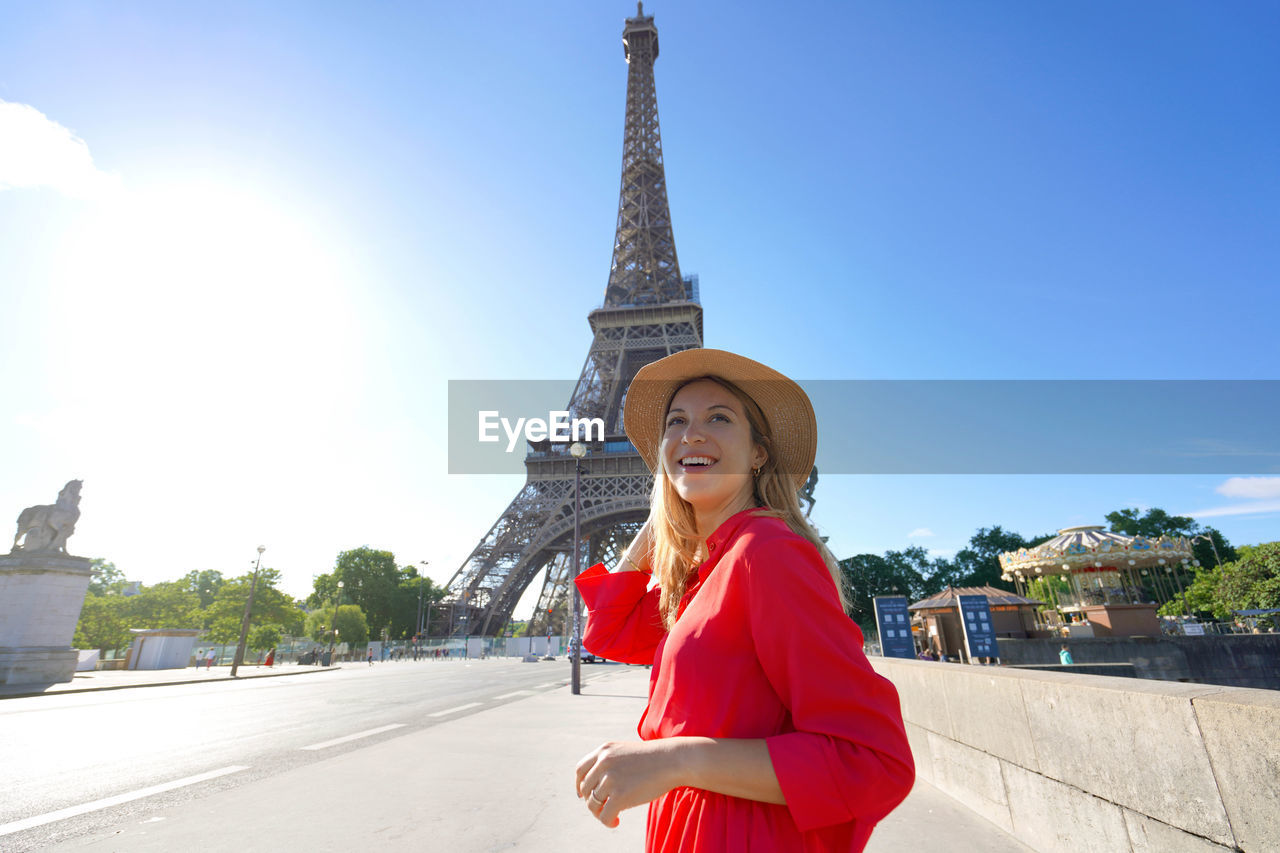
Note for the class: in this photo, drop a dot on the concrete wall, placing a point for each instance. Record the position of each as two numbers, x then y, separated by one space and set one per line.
1236 660
1072 762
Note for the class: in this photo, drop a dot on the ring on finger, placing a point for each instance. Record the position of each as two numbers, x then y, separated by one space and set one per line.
592 796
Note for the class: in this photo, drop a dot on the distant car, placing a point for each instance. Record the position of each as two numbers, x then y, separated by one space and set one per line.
584 655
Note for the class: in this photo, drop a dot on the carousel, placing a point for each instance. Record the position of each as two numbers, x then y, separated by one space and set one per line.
1110 578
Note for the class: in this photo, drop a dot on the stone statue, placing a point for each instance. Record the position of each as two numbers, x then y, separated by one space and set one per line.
806 492
47 528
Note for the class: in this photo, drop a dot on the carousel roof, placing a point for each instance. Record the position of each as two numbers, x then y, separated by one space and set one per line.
1077 547
947 599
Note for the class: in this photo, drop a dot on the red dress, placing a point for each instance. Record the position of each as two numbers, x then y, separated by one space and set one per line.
761 649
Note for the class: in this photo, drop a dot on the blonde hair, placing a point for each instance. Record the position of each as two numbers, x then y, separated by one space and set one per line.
677 548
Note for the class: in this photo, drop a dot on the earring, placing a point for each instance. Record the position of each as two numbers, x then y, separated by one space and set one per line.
755 472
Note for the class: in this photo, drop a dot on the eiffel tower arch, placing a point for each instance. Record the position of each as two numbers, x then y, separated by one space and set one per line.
649 312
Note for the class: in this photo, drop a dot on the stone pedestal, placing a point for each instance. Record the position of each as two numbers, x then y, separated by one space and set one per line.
40 600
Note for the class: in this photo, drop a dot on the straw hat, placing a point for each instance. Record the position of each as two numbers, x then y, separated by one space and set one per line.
792 426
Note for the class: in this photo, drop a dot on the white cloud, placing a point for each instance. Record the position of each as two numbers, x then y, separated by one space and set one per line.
1253 508
1261 496
1251 488
920 533
36 151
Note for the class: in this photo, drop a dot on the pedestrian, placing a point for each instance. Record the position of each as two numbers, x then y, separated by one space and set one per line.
1064 655
371 656
209 658
766 727
199 658
271 657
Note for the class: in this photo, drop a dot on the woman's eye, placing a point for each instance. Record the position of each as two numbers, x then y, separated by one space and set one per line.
674 420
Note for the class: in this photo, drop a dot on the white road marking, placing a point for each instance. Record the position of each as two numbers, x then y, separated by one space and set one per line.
514 693
549 684
85 808
449 711
355 736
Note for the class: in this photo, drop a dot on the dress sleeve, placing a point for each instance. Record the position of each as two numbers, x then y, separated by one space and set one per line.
848 758
623 623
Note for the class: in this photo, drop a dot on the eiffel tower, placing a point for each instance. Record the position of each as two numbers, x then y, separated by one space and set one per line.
649 312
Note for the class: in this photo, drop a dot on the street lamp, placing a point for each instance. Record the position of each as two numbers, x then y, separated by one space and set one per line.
1207 538
333 648
462 628
577 450
422 563
244 623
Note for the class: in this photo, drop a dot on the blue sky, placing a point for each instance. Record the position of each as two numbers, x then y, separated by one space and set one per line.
244 247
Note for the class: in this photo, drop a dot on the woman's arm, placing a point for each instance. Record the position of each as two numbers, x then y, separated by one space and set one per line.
618 776
848 757
623 623
637 556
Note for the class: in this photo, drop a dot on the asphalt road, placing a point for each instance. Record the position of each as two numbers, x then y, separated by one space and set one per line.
62 753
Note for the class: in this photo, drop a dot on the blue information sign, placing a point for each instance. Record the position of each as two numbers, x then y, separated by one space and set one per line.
979 632
895 627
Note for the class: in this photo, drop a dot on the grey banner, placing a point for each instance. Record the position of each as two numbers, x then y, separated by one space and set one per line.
954 426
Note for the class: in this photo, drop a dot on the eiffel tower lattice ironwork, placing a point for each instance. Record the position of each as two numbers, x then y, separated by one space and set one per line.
649 311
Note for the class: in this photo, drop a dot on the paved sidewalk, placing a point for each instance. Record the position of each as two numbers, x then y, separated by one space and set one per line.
118 679
501 779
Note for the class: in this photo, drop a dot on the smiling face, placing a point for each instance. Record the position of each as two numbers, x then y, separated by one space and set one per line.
708 453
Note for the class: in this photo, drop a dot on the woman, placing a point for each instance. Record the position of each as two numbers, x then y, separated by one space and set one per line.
766 728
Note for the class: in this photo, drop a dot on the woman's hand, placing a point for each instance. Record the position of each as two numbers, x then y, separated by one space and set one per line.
639 553
617 776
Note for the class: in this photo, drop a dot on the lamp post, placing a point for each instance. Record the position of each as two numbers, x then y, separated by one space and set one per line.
1207 538
422 563
426 630
464 628
333 648
244 623
577 450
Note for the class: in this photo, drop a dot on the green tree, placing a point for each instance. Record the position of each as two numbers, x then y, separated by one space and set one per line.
895 573
263 637
103 624
168 604
1155 523
270 607
1201 595
317 624
370 579
353 627
106 578
1049 589
404 617
979 563
1251 582
205 584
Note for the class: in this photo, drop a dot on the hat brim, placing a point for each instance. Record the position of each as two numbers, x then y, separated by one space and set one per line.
792 425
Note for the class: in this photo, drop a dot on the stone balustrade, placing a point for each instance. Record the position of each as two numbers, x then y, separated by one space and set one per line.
1071 762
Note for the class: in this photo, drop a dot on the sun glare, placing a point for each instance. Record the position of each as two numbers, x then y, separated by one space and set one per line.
202 293
204 327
